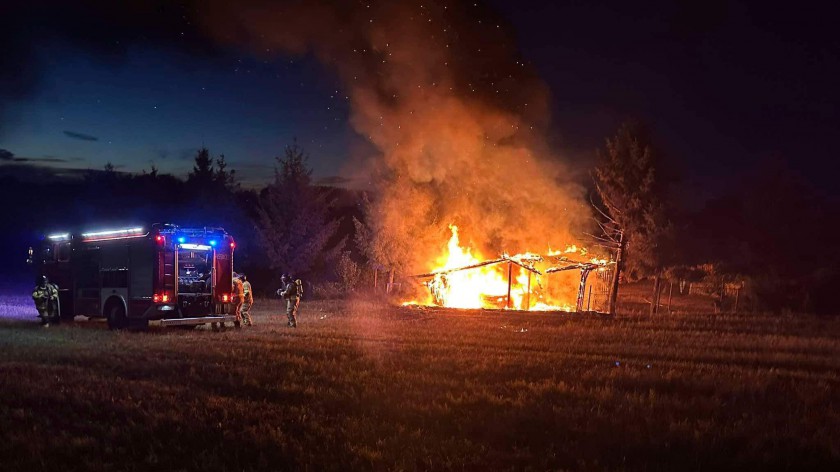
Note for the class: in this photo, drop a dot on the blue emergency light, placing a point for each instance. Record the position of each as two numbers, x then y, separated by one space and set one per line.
181 239
213 242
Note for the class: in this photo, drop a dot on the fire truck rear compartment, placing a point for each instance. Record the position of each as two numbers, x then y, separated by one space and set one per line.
195 280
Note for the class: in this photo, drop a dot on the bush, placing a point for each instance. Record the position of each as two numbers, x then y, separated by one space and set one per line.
327 291
348 272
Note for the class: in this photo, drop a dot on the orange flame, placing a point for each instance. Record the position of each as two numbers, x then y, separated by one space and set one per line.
487 286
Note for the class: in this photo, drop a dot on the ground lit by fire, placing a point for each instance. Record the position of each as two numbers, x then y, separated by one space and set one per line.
462 277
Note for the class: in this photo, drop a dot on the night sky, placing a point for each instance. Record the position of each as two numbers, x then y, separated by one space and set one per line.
728 88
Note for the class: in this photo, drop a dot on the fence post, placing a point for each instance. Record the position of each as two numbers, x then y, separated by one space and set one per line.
670 293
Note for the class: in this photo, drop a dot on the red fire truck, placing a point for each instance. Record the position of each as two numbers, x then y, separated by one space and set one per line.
131 276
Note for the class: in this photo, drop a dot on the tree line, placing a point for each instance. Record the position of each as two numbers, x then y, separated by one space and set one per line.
772 232
290 225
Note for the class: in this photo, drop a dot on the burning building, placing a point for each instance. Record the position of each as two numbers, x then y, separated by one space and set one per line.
457 118
520 282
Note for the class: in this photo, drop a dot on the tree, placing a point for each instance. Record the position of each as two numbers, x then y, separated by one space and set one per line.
631 209
348 272
203 172
224 178
293 222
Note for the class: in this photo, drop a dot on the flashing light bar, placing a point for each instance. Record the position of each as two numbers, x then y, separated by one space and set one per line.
59 237
182 239
197 247
113 232
213 242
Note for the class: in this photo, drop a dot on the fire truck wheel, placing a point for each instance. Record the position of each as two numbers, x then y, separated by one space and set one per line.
116 316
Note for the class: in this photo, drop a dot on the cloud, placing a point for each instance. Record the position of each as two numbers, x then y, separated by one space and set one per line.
81 136
7 156
42 159
28 172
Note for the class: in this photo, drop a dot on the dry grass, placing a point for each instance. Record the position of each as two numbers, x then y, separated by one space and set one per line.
361 386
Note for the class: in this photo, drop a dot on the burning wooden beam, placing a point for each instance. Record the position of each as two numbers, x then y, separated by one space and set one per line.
458 269
476 266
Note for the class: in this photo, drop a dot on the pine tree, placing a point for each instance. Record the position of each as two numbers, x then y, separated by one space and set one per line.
632 207
203 173
224 179
293 222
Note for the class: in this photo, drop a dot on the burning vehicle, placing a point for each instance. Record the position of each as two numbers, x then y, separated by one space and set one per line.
131 276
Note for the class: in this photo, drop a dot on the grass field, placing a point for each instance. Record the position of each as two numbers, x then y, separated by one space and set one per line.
362 386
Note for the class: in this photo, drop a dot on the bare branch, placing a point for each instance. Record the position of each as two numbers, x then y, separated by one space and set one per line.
612 208
608 217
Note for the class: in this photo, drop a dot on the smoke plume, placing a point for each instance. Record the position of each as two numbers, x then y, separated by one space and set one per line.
437 87
455 112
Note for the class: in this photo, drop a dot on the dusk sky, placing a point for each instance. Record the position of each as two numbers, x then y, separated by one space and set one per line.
726 86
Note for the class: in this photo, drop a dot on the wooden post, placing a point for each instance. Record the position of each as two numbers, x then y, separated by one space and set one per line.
375 271
390 282
528 297
619 265
654 298
670 293
584 273
510 273
589 301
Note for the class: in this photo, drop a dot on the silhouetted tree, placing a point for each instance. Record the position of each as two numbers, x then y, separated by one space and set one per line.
293 223
224 178
203 173
632 210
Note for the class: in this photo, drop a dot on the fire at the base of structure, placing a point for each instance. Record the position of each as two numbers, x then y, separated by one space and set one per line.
517 282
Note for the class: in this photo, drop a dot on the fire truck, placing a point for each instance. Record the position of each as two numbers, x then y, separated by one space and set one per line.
171 275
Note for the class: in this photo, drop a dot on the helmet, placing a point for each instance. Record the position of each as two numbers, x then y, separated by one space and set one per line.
41 280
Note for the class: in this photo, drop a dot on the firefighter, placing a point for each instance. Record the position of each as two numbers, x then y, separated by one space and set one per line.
45 297
238 298
249 301
289 291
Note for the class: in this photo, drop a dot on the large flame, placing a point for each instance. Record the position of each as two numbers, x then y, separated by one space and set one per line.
500 285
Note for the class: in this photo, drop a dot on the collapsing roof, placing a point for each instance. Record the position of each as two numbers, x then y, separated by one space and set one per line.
527 261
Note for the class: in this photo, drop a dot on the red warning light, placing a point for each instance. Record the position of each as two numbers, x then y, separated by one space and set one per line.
232 244
160 239
165 298
225 298
156 298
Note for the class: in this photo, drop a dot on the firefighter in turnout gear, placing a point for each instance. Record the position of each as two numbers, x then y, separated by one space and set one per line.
238 298
249 301
290 291
45 297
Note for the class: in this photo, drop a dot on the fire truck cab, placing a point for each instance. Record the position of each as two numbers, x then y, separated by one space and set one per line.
166 274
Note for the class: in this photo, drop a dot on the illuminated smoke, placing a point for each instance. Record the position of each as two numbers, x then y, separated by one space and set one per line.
457 116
